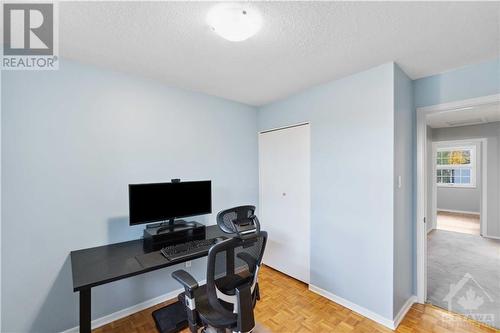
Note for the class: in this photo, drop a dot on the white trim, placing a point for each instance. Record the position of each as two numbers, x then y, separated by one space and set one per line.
492 237
451 106
456 185
484 188
458 211
404 310
354 307
131 310
434 188
283 127
421 236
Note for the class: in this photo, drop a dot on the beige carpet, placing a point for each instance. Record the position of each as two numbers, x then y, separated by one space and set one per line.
458 222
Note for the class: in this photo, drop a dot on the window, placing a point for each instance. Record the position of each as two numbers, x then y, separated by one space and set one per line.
456 166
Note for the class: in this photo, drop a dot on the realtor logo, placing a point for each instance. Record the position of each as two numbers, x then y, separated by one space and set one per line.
29 34
469 298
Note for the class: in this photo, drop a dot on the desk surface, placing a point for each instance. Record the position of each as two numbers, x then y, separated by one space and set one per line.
103 264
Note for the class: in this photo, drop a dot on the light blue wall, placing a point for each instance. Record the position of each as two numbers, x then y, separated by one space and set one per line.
71 142
404 133
467 82
460 198
352 144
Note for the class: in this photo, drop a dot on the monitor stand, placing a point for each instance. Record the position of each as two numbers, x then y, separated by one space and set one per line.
172 232
171 225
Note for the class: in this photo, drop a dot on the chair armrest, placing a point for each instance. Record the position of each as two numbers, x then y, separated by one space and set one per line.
187 281
250 261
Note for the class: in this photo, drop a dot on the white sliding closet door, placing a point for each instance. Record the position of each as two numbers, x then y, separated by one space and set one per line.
284 171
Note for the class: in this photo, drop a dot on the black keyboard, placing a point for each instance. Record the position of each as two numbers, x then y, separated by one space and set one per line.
188 249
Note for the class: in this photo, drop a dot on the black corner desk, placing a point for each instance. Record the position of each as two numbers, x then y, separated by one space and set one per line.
103 264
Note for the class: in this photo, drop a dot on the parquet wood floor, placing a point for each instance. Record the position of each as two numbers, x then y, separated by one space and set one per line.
287 306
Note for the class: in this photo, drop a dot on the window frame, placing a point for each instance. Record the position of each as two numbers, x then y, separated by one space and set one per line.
472 165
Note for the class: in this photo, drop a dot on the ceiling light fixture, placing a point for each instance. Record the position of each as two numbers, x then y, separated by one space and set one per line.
234 22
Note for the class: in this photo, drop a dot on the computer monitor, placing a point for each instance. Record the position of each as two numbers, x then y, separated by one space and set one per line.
167 201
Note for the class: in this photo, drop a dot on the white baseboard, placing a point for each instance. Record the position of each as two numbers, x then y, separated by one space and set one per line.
354 307
128 311
404 310
391 324
458 211
492 237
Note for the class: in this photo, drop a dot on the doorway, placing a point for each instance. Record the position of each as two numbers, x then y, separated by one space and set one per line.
284 180
457 180
458 226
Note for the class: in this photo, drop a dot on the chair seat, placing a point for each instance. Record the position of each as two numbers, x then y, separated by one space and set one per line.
228 284
211 317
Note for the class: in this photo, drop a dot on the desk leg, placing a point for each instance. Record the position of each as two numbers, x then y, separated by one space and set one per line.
85 311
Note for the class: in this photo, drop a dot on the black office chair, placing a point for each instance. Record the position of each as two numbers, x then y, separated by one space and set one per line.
232 289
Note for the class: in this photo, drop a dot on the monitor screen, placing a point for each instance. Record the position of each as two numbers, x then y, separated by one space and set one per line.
164 201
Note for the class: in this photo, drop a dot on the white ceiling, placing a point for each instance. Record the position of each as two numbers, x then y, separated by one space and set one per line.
301 43
481 114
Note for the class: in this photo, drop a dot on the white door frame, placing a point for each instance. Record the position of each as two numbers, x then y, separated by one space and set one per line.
482 162
421 237
308 223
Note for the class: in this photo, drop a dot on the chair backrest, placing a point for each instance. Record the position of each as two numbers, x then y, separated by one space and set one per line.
238 220
233 266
